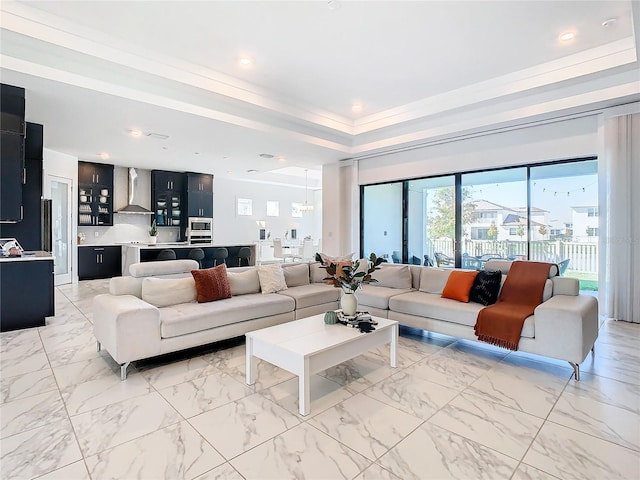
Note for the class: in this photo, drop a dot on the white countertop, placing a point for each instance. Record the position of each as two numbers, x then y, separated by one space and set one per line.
28 257
185 245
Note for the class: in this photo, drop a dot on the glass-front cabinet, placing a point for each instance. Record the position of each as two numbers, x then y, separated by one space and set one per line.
168 198
95 194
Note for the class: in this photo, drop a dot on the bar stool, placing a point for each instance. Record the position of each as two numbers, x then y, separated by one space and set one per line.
197 254
167 254
244 254
220 256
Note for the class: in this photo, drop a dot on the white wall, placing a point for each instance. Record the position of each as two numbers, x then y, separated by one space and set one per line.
541 143
340 208
538 143
229 228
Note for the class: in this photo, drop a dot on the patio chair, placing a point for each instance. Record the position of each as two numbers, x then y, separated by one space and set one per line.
444 260
562 266
471 263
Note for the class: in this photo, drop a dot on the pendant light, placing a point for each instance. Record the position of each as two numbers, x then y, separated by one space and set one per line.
306 207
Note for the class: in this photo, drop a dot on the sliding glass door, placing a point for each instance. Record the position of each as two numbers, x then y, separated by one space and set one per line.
565 216
431 221
494 216
546 212
382 221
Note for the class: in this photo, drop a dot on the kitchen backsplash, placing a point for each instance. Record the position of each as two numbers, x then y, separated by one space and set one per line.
126 228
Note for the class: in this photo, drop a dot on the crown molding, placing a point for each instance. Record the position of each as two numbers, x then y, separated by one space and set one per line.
597 59
51 29
537 111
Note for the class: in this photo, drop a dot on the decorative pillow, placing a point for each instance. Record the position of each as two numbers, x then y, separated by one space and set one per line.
244 282
163 292
296 275
343 258
393 276
486 287
212 283
271 278
459 285
433 280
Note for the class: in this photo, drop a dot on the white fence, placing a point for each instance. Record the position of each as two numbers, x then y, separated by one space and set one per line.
583 257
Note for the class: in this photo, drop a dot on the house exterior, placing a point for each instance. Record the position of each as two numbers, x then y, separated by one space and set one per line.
492 221
585 223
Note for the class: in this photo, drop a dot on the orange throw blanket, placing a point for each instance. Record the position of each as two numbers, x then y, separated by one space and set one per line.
501 324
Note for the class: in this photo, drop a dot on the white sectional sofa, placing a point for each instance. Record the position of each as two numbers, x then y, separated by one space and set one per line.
141 317
564 326
130 327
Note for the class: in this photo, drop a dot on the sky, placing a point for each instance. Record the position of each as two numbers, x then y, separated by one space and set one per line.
543 195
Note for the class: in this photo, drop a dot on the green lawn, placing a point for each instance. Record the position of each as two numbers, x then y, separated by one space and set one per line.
588 281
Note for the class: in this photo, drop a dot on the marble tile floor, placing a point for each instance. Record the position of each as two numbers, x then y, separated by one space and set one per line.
452 409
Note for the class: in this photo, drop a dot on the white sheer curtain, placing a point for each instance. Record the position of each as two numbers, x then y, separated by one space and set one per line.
619 173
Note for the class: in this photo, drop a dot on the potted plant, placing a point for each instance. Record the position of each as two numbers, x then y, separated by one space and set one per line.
153 232
350 276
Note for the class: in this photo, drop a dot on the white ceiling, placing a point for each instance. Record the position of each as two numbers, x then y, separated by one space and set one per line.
423 71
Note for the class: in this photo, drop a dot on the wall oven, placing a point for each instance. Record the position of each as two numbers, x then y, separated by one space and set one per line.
200 230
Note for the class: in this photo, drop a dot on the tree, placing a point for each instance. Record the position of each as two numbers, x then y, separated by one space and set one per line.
520 230
492 232
442 222
542 230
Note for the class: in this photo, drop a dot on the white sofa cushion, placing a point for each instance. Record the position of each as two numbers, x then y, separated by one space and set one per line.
438 308
393 276
271 278
376 296
312 294
167 267
433 280
317 273
245 282
187 318
296 275
566 286
163 292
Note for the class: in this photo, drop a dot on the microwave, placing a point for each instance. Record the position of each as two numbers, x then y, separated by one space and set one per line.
200 230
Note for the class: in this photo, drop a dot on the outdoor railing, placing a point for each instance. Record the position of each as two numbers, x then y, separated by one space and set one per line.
583 257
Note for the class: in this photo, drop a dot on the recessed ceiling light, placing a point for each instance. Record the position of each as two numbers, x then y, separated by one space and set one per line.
165 148
281 159
566 36
104 156
609 22
196 153
356 107
252 170
333 5
135 133
266 155
245 61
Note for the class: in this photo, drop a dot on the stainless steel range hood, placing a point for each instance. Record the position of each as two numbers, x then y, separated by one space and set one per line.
131 208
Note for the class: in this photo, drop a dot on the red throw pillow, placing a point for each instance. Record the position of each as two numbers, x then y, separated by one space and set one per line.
459 285
212 283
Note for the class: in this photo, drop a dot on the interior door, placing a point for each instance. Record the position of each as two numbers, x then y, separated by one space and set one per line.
61 219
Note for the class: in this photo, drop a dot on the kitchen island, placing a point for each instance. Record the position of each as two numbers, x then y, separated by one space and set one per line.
142 252
26 290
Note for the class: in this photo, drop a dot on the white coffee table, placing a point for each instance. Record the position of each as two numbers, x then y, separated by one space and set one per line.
308 346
